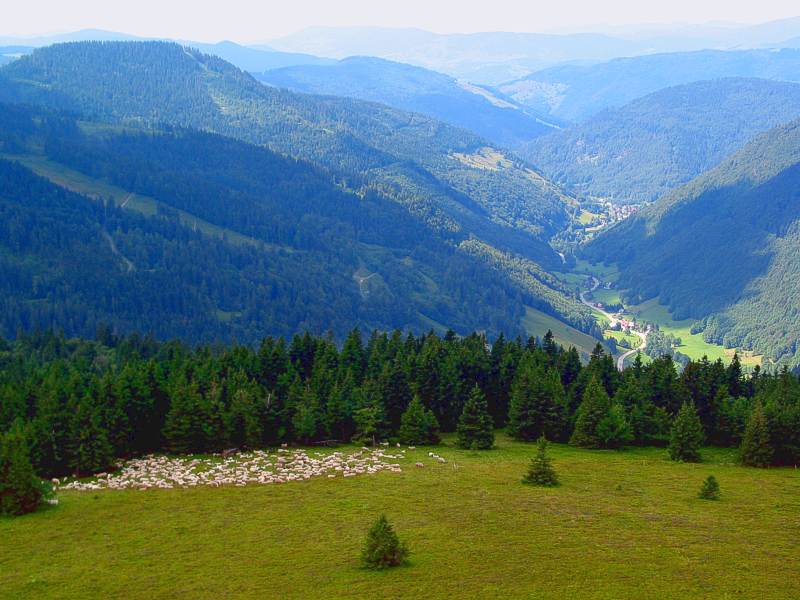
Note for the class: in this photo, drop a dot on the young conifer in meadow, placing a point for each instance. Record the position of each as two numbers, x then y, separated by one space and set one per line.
710 489
475 425
541 471
383 548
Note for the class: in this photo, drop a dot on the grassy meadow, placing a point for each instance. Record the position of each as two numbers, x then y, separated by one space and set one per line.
692 344
622 525
538 323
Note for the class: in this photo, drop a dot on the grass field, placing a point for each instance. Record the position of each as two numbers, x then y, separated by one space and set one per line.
693 345
575 281
585 217
607 297
538 323
623 525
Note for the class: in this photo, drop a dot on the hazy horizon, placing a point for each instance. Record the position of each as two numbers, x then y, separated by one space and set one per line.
205 22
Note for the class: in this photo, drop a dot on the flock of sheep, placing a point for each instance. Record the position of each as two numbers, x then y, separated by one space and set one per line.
240 469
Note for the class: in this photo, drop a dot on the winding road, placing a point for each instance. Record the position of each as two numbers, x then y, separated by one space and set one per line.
612 320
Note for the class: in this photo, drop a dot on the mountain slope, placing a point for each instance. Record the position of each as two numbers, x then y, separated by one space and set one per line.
418 90
640 151
448 177
724 249
198 236
576 92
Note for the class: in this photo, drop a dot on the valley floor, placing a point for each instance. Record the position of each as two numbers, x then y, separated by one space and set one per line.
587 278
622 525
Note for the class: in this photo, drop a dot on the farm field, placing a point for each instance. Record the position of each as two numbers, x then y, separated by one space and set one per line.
632 518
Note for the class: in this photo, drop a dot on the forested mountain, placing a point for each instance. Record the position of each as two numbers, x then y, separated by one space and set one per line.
289 251
221 239
448 177
724 249
415 89
576 92
640 151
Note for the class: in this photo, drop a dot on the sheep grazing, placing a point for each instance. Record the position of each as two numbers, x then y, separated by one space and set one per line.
419 465
239 470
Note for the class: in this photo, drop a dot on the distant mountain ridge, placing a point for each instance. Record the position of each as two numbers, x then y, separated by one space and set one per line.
418 90
243 57
644 149
495 57
577 92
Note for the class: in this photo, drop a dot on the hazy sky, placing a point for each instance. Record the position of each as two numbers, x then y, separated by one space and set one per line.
248 21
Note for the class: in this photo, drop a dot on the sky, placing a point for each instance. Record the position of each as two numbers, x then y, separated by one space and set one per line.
252 21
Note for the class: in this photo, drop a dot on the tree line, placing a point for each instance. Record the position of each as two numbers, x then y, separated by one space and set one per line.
80 405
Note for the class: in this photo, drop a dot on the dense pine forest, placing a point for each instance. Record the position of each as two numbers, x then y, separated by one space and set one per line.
82 404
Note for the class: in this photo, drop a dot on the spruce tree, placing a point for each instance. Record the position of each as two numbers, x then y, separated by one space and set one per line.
593 409
418 425
382 547
90 449
185 426
339 409
541 470
369 417
537 403
306 416
21 491
614 430
710 489
756 446
475 425
686 435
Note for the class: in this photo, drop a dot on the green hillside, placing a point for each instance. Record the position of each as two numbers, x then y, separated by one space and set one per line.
723 249
194 235
419 162
445 190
